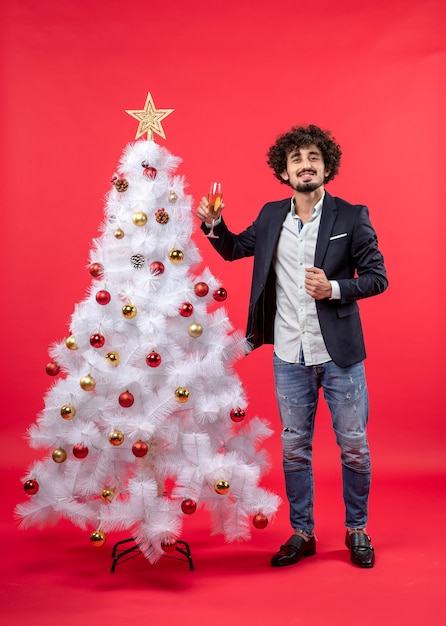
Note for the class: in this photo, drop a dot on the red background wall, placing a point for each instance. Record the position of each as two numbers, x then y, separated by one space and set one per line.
237 75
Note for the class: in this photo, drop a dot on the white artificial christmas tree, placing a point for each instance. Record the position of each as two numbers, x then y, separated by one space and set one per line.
146 420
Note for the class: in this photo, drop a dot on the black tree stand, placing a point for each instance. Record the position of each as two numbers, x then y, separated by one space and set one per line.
119 552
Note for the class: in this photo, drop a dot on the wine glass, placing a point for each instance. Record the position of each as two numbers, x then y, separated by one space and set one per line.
215 196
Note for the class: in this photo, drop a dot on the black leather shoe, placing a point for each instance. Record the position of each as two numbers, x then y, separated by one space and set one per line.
293 549
362 553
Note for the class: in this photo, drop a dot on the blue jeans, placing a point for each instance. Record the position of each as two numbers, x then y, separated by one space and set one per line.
345 391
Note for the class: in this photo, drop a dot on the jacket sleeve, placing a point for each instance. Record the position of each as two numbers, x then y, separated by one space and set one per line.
370 276
231 246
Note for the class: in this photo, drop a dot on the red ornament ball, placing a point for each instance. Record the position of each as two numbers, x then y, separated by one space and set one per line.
150 172
97 340
188 506
237 415
96 270
153 359
220 294
103 297
260 521
31 487
140 449
201 290
126 399
169 546
52 368
80 451
186 309
156 268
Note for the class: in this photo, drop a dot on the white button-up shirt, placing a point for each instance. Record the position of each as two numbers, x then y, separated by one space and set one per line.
296 325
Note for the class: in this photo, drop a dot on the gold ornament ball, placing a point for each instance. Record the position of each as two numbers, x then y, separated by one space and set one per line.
112 358
71 343
173 196
87 383
107 494
59 455
221 487
129 311
139 218
116 437
176 256
195 330
182 394
97 539
119 233
67 412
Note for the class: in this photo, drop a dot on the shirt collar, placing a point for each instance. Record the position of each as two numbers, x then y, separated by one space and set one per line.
317 209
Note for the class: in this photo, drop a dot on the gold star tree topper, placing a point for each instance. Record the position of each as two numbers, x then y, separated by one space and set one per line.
150 119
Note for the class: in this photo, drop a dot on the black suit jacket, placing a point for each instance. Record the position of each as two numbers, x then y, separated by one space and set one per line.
347 251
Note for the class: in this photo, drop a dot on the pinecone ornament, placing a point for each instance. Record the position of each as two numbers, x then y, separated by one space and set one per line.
162 216
121 184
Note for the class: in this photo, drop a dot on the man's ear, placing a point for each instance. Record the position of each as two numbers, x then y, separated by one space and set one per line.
284 175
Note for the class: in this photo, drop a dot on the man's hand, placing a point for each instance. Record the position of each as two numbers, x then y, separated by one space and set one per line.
317 284
204 214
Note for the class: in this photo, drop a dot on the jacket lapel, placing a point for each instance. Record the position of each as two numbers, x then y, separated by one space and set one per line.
328 217
274 226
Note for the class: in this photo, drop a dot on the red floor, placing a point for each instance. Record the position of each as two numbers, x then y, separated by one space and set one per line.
54 576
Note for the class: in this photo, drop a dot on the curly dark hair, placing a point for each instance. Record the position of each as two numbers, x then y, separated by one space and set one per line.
303 136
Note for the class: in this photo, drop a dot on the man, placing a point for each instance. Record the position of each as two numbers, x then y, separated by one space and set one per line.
314 257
